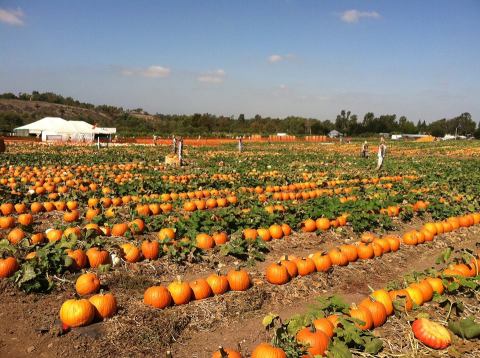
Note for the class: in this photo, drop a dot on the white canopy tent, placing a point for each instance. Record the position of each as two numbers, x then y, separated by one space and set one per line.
55 128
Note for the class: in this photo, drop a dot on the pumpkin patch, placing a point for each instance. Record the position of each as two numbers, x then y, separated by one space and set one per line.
103 236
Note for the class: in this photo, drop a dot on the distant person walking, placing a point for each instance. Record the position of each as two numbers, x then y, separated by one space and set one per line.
174 144
240 144
382 152
364 153
180 150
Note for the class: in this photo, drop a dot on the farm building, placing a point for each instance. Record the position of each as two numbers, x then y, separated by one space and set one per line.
59 129
335 134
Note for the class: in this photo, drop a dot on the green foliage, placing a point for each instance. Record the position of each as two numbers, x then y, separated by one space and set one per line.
138 122
37 274
245 249
282 337
466 328
347 334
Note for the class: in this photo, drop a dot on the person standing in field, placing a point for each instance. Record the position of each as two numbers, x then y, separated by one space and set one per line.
382 151
174 144
364 150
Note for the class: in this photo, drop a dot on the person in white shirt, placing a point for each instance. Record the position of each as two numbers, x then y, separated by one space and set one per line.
382 151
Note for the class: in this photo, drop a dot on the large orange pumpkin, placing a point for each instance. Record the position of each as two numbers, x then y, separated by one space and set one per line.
76 313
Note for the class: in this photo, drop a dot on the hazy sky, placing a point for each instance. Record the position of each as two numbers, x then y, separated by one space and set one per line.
272 57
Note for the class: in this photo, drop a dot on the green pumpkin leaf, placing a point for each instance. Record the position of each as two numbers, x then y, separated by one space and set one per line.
268 319
374 346
338 349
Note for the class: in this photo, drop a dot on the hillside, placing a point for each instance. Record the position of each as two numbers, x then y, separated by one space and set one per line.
25 108
31 111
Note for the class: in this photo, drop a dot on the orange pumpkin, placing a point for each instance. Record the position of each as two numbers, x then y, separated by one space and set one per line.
200 289
277 274
322 224
363 314
105 305
150 249
316 341
79 258
76 313
305 266
25 219
204 241
309 225
337 257
157 296
180 291
220 238
266 350
15 236
276 231
218 283
97 257
238 280
131 253
322 262
87 284
8 266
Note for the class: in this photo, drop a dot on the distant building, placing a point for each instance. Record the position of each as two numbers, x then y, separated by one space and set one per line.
409 136
335 134
59 129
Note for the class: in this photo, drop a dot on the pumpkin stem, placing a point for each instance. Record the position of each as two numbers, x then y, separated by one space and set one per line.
222 351
179 278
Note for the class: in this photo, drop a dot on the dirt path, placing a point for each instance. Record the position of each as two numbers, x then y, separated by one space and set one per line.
28 322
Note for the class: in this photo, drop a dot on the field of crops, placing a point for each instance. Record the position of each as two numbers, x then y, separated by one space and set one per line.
283 250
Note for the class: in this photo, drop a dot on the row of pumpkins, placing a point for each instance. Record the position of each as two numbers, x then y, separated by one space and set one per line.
180 292
372 311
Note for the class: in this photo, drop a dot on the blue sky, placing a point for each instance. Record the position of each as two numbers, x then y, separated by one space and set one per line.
272 57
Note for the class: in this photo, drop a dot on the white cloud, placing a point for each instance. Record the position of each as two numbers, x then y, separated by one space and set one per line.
156 71
151 72
283 86
127 72
12 17
279 58
353 16
275 58
217 76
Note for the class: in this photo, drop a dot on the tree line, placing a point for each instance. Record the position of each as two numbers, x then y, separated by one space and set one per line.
137 122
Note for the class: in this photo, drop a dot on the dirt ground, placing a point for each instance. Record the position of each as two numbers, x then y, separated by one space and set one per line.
29 323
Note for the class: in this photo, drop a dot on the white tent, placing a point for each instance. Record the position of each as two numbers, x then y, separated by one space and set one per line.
54 128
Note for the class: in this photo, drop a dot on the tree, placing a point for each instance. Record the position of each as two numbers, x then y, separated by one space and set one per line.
341 123
405 126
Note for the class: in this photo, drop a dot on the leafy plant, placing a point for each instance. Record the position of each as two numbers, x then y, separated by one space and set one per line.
37 274
245 249
466 328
